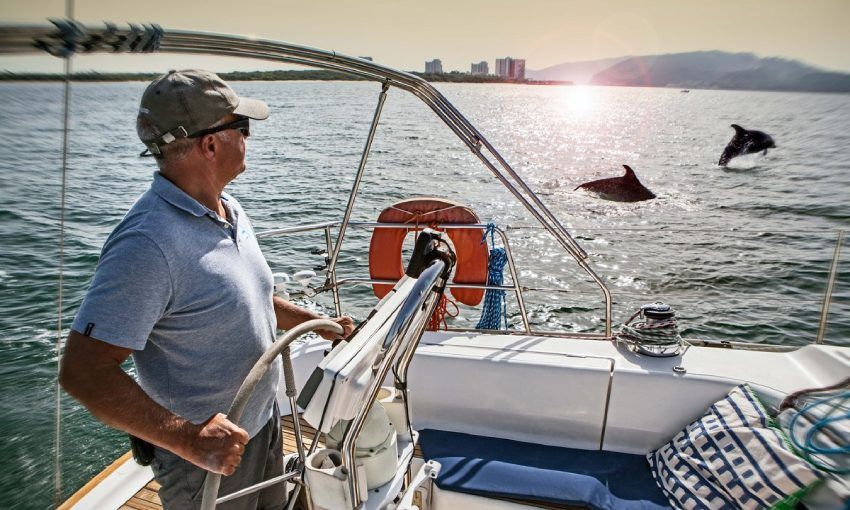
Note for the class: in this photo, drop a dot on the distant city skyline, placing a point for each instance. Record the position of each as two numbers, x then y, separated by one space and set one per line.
513 68
480 68
405 33
434 66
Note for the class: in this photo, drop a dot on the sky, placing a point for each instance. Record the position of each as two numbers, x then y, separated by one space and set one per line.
405 33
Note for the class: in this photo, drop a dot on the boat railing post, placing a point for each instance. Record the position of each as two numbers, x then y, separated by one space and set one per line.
360 169
605 293
331 276
830 285
515 278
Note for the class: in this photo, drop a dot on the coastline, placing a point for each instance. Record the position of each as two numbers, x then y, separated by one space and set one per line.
92 76
307 75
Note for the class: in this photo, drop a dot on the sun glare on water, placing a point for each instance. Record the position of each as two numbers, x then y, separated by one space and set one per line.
578 100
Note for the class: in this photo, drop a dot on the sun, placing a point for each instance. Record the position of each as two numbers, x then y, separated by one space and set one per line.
578 100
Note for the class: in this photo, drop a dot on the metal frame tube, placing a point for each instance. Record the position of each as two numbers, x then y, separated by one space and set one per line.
403 363
378 281
256 488
296 229
331 276
399 330
296 428
515 278
360 169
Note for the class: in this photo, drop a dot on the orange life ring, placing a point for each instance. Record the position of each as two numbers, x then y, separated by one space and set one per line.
385 248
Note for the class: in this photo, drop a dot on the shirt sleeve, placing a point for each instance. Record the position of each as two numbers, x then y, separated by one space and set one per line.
130 292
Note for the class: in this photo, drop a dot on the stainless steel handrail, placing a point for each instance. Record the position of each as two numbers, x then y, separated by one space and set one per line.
360 169
420 302
68 37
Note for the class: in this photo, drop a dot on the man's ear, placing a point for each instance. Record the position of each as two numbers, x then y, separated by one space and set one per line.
209 146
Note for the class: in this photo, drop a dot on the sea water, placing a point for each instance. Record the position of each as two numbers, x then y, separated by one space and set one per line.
743 253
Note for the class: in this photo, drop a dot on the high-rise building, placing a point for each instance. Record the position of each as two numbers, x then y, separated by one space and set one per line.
503 67
511 68
518 69
480 68
434 67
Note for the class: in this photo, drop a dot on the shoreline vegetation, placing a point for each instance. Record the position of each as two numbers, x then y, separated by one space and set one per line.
620 75
93 76
705 70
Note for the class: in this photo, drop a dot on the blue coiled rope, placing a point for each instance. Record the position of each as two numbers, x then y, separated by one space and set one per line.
835 422
495 306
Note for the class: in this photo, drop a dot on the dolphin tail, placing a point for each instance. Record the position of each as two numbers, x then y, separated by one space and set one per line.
729 152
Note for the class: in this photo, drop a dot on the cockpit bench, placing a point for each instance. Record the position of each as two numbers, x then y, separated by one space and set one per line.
514 470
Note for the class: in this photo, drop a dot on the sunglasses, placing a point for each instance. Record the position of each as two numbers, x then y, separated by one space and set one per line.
242 124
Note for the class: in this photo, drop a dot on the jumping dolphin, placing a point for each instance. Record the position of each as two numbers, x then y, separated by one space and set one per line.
620 189
745 142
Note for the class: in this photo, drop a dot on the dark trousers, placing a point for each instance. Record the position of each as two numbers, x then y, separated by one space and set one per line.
183 482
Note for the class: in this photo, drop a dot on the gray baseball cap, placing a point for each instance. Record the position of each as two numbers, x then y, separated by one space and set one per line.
181 103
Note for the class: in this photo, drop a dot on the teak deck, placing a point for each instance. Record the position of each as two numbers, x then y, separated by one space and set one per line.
148 497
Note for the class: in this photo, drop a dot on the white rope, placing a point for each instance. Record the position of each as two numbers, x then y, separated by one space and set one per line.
57 444
417 215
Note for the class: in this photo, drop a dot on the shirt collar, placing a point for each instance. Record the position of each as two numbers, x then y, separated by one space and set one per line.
175 196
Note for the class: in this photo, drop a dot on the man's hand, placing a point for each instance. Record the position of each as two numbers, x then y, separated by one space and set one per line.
216 445
347 327
290 315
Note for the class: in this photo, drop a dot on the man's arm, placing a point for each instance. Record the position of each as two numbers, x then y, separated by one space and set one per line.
290 315
90 371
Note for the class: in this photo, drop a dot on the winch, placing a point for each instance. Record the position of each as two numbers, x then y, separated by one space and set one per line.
657 334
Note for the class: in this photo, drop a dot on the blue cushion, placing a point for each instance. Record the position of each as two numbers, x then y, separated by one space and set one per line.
502 468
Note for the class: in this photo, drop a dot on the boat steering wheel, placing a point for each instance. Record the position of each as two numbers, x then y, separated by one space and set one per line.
281 346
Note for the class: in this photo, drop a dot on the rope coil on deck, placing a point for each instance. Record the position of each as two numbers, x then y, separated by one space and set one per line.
653 335
817 421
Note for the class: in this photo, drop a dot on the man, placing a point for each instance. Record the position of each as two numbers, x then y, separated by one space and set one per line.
183 286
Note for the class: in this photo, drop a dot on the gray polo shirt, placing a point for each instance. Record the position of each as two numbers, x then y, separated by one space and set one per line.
191 295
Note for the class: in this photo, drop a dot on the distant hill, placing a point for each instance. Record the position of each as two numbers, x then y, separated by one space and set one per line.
716 69
579 73
709 70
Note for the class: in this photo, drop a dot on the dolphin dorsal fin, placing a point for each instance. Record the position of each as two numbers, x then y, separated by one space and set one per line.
739 130
629 172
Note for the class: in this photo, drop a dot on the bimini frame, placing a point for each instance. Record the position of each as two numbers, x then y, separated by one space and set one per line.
65 38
